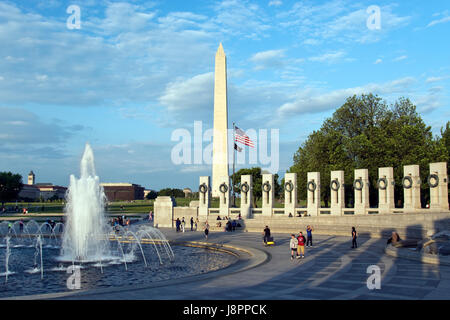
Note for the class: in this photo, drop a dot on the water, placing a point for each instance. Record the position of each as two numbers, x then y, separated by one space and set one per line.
25 279
85 229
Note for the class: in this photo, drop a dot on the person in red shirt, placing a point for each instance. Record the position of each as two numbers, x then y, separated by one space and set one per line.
301 246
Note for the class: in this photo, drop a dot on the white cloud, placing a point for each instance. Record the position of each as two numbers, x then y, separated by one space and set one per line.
378 61
268 59
401 58
434 79
439 21
275 3
331 57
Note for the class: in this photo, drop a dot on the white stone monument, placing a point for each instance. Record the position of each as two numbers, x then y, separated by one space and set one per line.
246 195
267 189
204 194
313 191
386 186
337 191
224 198
438 182
411 188
361 186
290 193
220 139
163 208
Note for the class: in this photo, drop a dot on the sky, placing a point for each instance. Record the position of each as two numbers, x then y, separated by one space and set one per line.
135 72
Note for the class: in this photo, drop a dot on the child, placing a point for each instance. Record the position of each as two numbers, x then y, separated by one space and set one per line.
293 245
301 246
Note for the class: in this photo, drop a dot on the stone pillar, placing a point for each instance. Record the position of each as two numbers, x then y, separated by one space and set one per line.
267 194
313 190
361 186
385 186
204 194
246 196
290 193
224 190
438 182
337 193
163 208
411 188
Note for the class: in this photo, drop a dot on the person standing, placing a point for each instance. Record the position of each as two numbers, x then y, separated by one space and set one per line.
183 225
196 223
301 246
354 236
293 246
309 231
266 233
177 224
206 230
192 223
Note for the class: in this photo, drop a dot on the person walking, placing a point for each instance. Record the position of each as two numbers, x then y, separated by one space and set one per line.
206 230
192 223
293 245
354 236
266 233
177 224
301 246
309 231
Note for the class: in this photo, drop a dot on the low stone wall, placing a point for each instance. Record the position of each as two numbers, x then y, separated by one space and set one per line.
417 256
408 226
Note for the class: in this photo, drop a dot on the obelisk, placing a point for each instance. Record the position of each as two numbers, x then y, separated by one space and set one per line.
220 138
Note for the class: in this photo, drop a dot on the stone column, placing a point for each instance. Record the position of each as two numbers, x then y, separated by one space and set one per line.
438 182
313 190
224 190
411 188
290 193
163 208
246 196
204 194
267 194
386 185
337 193
361 186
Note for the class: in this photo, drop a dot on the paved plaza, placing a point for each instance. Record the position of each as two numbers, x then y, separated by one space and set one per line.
330 270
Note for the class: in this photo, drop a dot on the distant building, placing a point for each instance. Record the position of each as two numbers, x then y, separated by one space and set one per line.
31 178
187 192
123 191
45 191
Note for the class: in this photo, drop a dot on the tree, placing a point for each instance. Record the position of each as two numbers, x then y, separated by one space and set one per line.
257 182
176 193
152 195
367 133
10 186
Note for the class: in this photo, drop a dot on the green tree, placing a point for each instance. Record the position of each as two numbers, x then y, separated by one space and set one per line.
152 195
367 133
176 193
10 186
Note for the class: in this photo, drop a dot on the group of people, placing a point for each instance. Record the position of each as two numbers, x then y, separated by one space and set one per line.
181 224
230 225
297 243
120 221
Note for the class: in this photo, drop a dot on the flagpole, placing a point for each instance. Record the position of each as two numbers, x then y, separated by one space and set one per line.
234 160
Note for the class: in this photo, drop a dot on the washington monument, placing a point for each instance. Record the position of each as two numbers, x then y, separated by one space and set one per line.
220 139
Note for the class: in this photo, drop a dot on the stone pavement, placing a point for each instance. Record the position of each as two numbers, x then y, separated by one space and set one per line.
330 270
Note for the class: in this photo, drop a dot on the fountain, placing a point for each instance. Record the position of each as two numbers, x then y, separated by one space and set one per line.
85 230
86 242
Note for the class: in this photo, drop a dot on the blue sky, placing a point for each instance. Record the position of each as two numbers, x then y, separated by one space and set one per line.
138 70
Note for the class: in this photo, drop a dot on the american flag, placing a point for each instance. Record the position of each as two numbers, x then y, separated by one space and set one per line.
240 136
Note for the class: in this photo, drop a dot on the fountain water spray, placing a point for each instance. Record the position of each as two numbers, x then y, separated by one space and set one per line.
8 253
84 232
